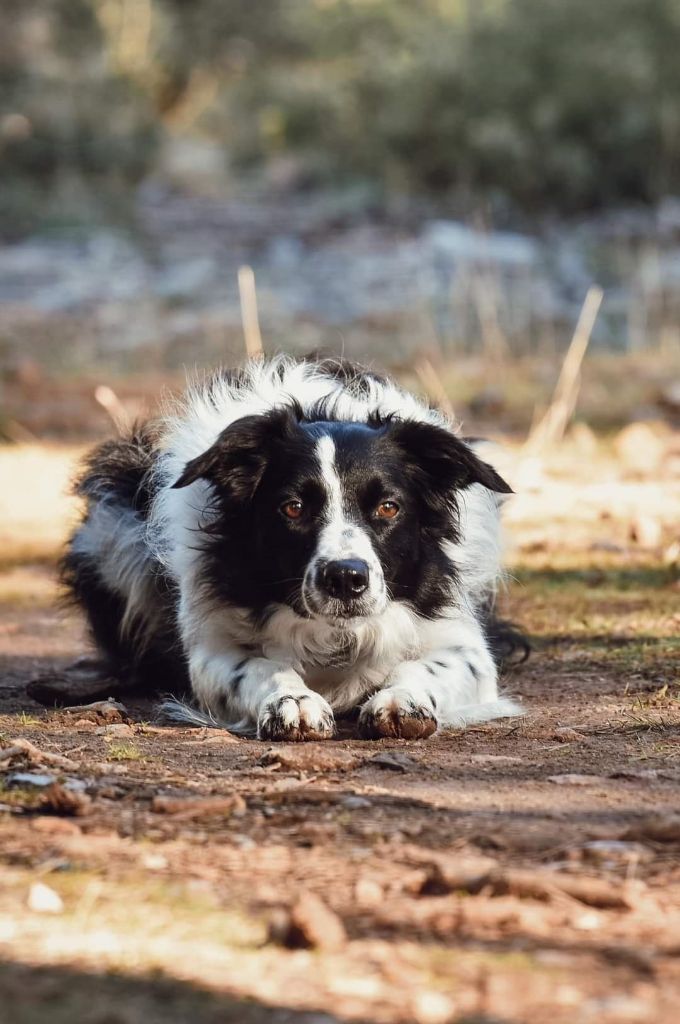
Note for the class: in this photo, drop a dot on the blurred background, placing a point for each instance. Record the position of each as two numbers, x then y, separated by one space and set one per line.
433 187
482 196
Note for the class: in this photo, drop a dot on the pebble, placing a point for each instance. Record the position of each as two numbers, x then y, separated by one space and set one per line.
309 924
55 826
43 900
61 800
394 761
191 808
614 851
576 780
310 757
31 779
368 893
565 734
117 729
355 803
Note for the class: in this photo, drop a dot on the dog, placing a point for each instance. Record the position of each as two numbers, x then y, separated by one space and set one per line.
297 540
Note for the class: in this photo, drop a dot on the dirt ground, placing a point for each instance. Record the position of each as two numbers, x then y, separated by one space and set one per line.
524 871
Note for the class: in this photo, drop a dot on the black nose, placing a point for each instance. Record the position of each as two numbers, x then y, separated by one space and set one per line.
345 579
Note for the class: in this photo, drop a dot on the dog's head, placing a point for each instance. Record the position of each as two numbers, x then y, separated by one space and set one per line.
334 519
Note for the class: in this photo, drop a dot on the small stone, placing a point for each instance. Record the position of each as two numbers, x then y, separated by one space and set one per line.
55 826
26 779
43 900
310 757
588 921
154 862
217 737
432 1008
394 761
635 773
495 759
116 730
191 808
576 780
565 734
614 851
355 803
368 893
60 800
309 924
443 873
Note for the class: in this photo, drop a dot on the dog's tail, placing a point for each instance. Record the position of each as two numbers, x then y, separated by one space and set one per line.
473 714
507 643
173 711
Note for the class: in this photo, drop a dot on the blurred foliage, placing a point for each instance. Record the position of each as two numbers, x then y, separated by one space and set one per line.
65 114
540 104
553 104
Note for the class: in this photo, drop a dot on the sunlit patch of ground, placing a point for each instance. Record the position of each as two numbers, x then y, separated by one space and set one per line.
36 508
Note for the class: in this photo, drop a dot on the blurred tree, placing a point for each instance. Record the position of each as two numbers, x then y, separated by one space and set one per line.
66 116
539 103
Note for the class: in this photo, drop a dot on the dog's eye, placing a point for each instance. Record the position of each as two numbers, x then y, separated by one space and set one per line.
387 510
292 509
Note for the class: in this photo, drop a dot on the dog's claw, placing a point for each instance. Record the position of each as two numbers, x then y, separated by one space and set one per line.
295 719
389 717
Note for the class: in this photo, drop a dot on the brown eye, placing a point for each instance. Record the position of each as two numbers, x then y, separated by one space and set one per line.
387 510
292 509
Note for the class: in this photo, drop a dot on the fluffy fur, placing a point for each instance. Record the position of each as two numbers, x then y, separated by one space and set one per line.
297 540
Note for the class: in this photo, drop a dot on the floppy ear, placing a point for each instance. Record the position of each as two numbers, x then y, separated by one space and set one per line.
446 460
236 462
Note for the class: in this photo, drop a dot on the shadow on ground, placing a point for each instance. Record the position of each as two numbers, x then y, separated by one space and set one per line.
63 995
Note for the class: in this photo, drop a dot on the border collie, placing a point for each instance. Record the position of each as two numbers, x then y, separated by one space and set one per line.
297 540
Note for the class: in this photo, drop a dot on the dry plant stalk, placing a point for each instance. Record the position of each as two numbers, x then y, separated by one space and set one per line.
551 428
431 381
109 400
485 297
249 317
25 749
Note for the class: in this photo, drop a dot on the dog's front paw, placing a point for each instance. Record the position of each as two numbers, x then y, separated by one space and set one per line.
300 717
396 714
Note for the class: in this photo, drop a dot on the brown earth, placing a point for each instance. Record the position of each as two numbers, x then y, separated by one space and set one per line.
523 871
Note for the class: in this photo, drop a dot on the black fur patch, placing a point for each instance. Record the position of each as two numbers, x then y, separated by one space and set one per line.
119 473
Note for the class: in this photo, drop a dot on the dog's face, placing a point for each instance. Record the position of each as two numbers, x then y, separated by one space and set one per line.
334 519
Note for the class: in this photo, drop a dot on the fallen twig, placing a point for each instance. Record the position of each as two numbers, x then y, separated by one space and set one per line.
188 809
24 748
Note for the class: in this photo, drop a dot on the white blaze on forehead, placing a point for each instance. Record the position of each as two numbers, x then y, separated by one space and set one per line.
325 451
340 537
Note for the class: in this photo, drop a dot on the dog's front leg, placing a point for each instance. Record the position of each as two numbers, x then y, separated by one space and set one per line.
450 686
257 695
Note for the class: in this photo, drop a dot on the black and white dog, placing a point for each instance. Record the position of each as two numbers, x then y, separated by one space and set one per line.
298 539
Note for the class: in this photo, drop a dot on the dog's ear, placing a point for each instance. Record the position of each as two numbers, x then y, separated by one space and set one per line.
447 462
236 462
